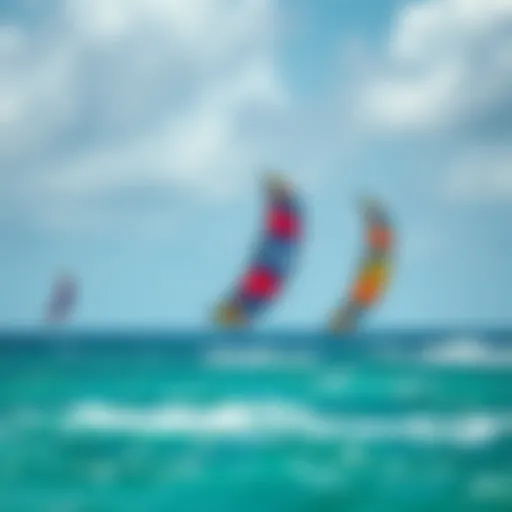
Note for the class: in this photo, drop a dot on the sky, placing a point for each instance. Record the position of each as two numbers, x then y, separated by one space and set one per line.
134 133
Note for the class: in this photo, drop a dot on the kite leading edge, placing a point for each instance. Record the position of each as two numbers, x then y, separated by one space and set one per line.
273 261
374 272
62 299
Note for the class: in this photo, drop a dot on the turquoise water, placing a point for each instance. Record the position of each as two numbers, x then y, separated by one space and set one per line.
389 421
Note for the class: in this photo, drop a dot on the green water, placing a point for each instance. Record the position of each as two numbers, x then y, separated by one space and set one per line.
152 432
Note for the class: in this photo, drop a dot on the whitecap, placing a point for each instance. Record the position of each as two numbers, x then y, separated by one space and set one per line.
467 352
280 419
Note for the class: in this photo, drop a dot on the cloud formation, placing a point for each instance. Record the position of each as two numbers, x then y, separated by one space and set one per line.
105 96
444 77
481 176
113 93
446 67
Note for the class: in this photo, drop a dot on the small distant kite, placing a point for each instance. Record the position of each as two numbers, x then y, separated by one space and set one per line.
62 299
273 261
374 272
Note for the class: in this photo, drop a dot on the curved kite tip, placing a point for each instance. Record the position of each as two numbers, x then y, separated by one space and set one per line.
372 208
228 315
67 278
343 320
369 203
276 183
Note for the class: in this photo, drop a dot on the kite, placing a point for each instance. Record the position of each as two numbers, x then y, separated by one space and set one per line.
273 261
374 272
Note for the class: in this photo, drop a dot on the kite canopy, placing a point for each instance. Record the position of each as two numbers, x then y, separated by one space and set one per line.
62 299
373 275
273 260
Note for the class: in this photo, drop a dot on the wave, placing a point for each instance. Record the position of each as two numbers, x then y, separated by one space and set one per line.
467 352
272 419
438 351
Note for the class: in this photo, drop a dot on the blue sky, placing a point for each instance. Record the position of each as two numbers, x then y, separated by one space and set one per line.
133 134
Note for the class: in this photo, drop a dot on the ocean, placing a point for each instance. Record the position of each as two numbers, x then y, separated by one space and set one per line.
145 421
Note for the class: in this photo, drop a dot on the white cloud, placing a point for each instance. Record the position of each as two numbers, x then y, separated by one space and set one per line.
481 175
446 67
35 94
114 92
444 77
190 149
